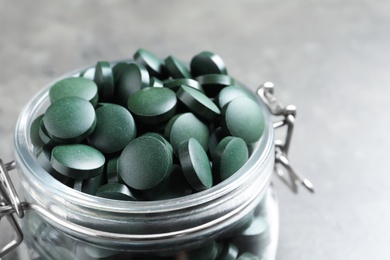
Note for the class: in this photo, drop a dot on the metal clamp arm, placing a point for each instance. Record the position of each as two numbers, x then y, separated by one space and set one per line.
9 205
288 114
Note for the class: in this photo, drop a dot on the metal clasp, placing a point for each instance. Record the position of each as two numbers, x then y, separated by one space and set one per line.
10 206
287 114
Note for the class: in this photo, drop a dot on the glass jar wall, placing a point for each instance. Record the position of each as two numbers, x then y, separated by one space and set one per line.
236 218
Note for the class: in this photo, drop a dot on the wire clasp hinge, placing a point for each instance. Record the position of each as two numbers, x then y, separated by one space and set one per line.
10 206
287 114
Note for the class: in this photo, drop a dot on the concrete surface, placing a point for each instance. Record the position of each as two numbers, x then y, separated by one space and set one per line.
330 58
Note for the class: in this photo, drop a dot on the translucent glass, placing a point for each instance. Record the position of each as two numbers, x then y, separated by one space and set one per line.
199 226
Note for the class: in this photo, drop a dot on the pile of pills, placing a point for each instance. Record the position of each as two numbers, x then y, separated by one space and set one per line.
147 128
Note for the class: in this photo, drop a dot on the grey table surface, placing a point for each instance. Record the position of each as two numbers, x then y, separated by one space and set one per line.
329 58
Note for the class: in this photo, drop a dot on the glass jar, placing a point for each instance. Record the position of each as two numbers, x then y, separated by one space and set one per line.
238 217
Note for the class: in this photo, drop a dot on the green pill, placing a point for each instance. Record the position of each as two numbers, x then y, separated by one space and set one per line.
230 93
144 163
69 119
248 256
112 170
152 63
207 63
88 73
162 139
230 155
153 105
78 87
176 68
198 103
34 132
214 83
156 83
77 161
132 78
115 191
185 126
115 128
104 80
195 164
229 252
242 117
175 84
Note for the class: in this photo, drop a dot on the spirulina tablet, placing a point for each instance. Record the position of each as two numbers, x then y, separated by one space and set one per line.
34 132
115 191
115 128
69 119
132 78
229 93
185 126
152 63
161 138
144 163
104 80
79 87
207 63
176 68
88 73
230 155
214 83
196 165
156 83
77 161
175 84
198 103
153 105
242 117
229 252
248 256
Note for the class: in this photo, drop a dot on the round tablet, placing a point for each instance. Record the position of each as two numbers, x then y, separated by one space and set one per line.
229 252
152 63
248 256
69 119
195 164
216 136
156 83
176 68
153 105
229 93
161 138
34 132
77 161
78 87
144 163
185 126
230 155
115 191
132 78
104 80
207 63
112 170
214 83
88 73
175 84
198 103
254 238
242 117
115 128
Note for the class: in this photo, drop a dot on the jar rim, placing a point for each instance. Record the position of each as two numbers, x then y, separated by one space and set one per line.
27 162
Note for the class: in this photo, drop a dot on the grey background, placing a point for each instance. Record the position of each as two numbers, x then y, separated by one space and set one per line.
330 58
